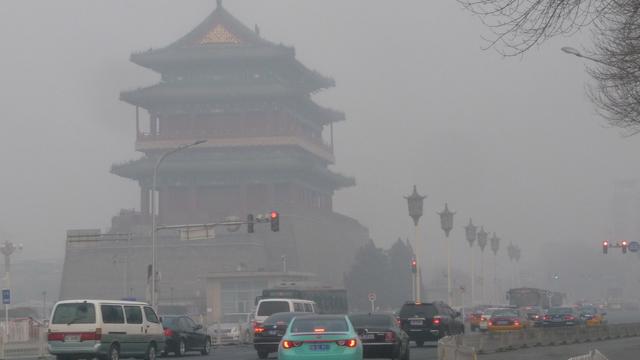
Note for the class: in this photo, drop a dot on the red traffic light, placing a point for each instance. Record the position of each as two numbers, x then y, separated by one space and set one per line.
624 243
414 266
605 243
275 221
605 247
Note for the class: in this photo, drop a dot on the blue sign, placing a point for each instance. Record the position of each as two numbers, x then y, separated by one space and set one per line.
634 246
6 296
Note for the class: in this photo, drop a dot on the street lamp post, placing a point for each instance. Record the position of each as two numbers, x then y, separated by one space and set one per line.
446 222
154 188
415 203
516 256
471 232
7 249
495 246
482 243
512 255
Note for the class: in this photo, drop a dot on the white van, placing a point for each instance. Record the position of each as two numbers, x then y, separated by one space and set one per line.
106 329
267 307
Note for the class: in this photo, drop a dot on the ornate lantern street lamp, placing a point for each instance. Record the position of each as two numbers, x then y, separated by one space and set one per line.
511 252
415 202
495 246
446 222
471 232
482 243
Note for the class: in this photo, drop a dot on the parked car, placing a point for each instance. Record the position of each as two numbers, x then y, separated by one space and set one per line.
182 335
381 336
234 328
429 321
267 336
106 329
320 336
562 316
506 320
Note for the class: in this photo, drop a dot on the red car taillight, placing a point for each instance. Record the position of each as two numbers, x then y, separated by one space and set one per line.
436 321
516 322
258 330
351 343
168 332
55 336
389 336
288 344
569 317
547 317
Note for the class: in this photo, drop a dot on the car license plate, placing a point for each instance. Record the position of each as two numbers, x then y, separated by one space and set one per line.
72 338
502 322
272 332
416 322
319 347
367 336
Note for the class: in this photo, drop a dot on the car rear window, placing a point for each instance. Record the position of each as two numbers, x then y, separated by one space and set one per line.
74 313
421 310
555 311
281 318
505 312
267 308
170 321
316 325
366 320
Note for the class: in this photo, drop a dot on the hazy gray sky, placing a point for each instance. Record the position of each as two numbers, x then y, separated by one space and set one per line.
512 142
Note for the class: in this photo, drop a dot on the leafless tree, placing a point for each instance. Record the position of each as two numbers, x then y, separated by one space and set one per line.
616 91
519 25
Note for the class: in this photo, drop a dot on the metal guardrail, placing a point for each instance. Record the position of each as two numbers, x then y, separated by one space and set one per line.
35 347
512 340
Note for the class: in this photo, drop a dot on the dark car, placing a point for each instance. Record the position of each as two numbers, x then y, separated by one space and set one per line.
429 321
562 316
267 336
182 334
381 336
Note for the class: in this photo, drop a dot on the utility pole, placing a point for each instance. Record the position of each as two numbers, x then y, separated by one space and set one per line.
7 249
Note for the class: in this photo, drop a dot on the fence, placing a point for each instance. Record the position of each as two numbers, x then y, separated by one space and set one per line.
512 340
25 338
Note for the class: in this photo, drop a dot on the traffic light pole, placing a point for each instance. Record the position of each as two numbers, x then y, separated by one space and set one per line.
418 277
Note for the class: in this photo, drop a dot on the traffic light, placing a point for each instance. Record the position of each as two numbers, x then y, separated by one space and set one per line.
275 221
250 223
605 247
625 245
414 266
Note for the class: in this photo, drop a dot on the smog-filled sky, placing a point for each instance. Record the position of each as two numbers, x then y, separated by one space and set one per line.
512 142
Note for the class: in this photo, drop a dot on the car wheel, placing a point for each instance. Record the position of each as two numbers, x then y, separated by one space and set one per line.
419 343
151 353
207 347
263 354
114 353
181 349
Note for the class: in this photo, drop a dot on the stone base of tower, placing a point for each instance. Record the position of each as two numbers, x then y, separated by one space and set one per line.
115 266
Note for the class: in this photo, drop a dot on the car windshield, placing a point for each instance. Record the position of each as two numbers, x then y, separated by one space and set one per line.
74 313
588 310
560 311
234 318
373 320
419 310
281 318
319 325
504 313
267 308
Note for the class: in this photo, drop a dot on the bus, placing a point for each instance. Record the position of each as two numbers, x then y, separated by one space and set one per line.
329 300
522 297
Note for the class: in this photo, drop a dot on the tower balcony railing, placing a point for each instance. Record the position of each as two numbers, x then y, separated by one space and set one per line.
150 141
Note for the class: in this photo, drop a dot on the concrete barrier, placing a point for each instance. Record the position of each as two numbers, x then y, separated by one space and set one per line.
593 355
531 337
449 349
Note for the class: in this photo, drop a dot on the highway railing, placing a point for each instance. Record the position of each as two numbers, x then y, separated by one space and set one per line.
483 343
449 349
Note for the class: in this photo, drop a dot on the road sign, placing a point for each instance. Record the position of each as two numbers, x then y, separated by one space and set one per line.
197 233
634 246
372 296
6 296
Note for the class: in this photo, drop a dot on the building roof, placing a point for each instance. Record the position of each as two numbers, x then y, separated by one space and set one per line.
223 39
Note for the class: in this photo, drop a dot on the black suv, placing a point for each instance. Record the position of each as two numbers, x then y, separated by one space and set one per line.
429 321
